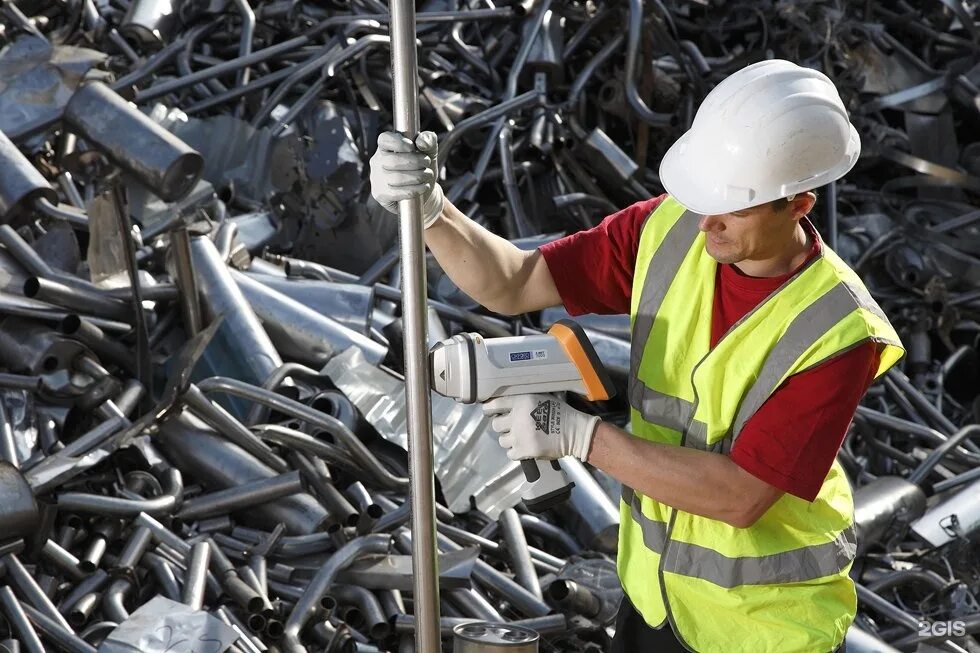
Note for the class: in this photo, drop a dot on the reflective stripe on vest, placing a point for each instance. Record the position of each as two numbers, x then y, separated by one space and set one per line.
796 566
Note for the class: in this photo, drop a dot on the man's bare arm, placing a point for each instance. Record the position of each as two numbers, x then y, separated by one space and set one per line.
488 268
699 482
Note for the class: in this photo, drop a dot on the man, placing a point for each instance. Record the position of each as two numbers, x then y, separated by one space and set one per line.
752 345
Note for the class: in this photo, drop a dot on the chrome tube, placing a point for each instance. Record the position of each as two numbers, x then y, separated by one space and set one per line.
63 636
300 333
241 496
19 622
375 622
220 464
63 560
361 454
93 583
241 339
306 605
516 542
165 504
231 429
196 577
28 588
348 303
418 402
164 575
86 302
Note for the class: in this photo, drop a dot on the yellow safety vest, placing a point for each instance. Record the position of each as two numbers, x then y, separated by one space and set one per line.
781 585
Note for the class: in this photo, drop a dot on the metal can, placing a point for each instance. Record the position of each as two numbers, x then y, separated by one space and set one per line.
486 637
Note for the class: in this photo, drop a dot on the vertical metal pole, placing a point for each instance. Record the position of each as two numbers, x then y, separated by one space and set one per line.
404 68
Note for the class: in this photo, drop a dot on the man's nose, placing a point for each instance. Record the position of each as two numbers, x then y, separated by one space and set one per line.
710 223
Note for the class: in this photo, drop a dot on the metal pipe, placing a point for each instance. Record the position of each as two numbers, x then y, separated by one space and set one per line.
245 42
483 118
573 597
63 636
375 621
299 332
537 526
350 304
241 337
338 507
63 560
107 349
78 299
162 534
220 464
636 103
28 588
83 610
66 212
242 496
114 599
359 495
93 583
472 602
904 576
516 207
196 576
190 303
19 622
331 425
240 591
516 541
133 141
230 428
521 598
306 604
259 412
134 549
297 441
563 202
596 517
920 473
588 70
164 574
165 504
922 404
22 184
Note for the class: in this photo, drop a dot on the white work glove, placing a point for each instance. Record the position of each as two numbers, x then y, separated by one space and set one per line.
540 426
401 170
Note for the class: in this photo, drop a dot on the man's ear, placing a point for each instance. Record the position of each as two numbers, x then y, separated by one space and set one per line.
802 204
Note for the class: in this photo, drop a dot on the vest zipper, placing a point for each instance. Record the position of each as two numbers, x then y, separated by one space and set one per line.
673 516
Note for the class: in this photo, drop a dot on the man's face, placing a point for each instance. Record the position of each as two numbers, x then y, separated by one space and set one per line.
756 233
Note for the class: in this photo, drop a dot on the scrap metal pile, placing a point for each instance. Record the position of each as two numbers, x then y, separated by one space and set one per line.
199 315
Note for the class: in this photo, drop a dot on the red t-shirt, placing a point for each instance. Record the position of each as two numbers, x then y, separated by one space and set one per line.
792 440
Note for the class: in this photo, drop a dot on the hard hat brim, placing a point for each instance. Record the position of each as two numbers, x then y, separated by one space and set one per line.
689 178
690 175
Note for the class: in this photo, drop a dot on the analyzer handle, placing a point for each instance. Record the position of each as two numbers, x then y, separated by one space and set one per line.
548 485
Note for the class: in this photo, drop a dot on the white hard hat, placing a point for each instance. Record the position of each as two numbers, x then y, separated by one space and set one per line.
768 131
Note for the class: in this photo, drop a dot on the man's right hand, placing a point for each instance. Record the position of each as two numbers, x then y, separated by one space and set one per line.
401 170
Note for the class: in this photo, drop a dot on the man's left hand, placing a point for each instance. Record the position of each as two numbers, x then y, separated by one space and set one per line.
541 426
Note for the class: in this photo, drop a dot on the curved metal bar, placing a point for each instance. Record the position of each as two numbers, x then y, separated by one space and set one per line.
636 103
306 604
335 427
164 504
588 70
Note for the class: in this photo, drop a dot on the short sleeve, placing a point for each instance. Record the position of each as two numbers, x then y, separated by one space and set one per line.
593 269
792 440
